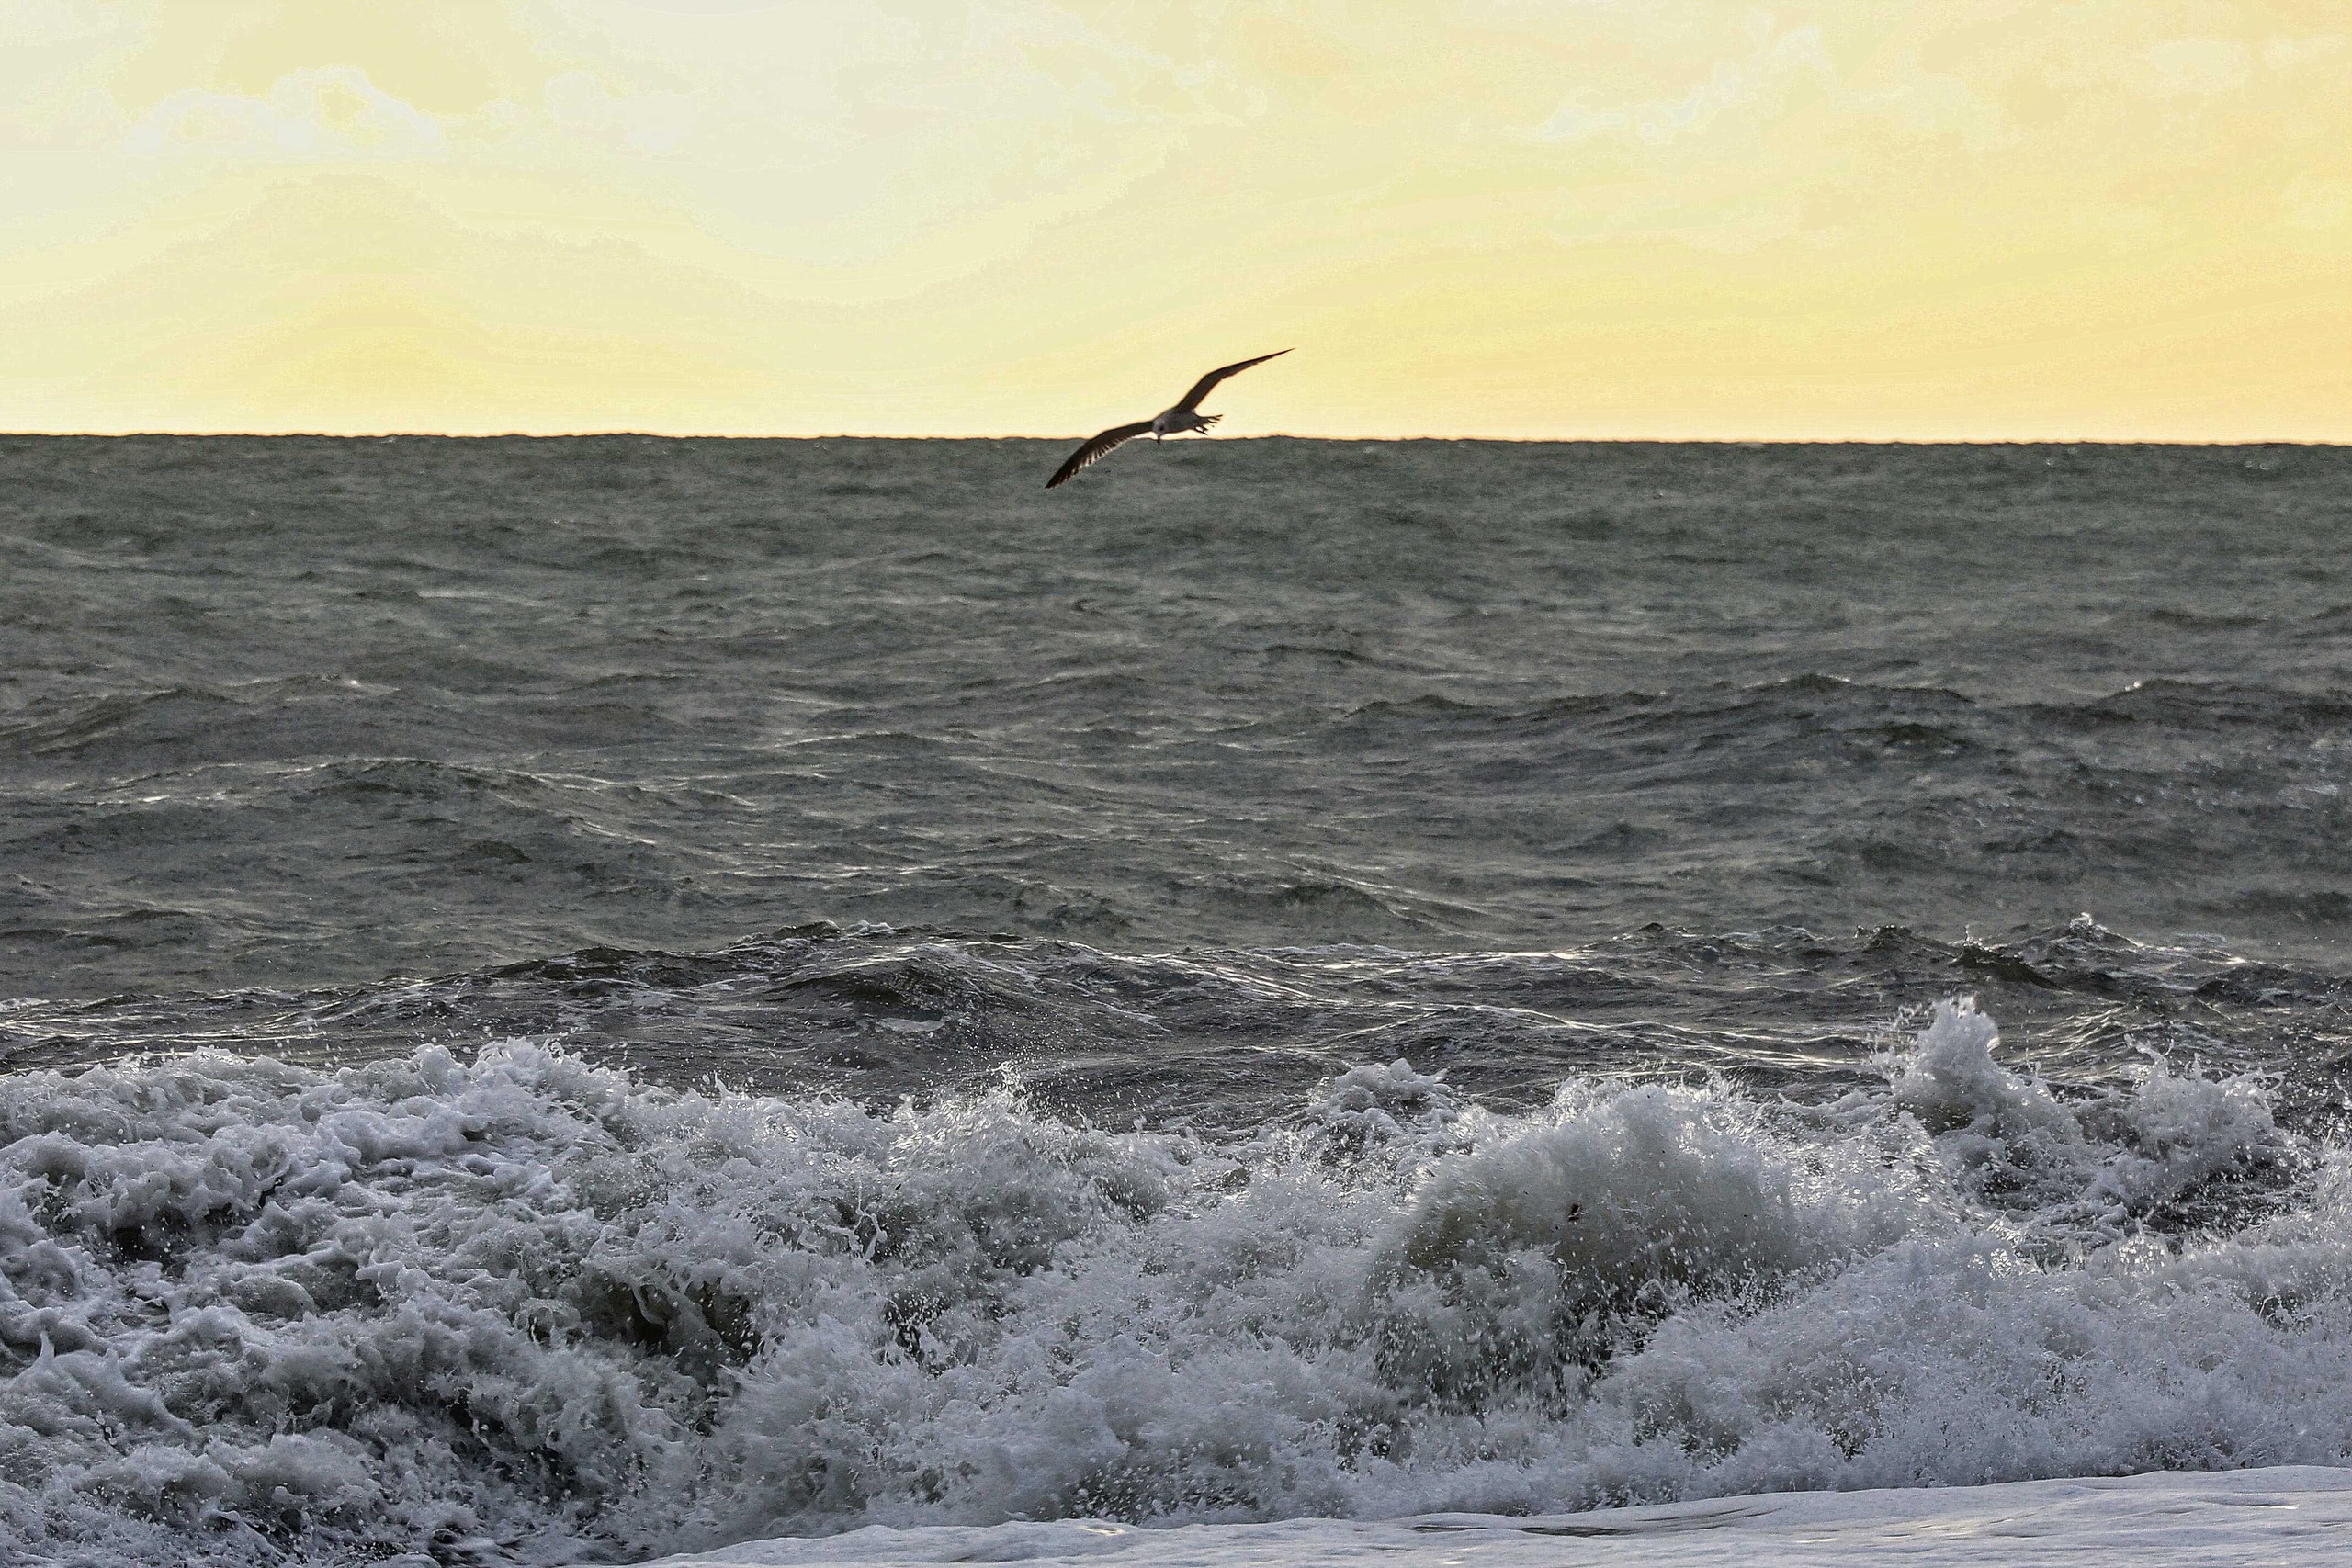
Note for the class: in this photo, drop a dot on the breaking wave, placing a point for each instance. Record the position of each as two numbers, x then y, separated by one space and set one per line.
525 1308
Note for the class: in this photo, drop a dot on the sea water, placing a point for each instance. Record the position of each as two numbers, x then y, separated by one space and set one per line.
573 1000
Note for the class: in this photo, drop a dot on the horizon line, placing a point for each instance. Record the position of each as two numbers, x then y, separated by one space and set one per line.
1619 440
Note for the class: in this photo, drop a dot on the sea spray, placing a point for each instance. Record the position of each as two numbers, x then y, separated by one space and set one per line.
524 1306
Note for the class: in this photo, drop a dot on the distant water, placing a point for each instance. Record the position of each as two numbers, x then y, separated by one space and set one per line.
593 998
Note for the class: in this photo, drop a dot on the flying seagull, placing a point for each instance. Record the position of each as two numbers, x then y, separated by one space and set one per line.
1184 416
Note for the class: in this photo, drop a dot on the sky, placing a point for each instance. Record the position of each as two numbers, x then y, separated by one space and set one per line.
1859 220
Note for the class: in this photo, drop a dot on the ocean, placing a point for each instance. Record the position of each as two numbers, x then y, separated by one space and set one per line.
570 1000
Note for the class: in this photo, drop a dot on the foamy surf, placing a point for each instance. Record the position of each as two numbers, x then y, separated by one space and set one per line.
2285 1514
523 1308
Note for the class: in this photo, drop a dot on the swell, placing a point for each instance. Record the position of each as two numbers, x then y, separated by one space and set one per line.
1428 696
1207 1035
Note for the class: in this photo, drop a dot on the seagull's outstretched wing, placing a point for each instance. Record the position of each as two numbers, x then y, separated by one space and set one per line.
1207 383
1101 445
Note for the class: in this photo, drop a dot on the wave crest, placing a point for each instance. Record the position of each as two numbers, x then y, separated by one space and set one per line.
525 1302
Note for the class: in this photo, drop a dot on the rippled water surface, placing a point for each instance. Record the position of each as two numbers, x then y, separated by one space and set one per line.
309 712
581 998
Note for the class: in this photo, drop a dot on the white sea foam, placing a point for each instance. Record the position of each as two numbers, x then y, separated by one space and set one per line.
522 1307
2239 1520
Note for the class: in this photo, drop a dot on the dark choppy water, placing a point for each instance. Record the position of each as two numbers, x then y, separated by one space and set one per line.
1647 794
294 713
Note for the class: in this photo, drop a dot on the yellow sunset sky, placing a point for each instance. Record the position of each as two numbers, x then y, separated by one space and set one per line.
1964 218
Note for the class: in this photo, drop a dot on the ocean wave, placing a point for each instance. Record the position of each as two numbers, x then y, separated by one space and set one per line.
528 1307
1213 1035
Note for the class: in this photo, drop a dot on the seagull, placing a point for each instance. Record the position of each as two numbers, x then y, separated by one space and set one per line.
1184 416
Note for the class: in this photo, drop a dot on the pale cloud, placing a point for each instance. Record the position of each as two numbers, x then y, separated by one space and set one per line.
925 138
1775 57
1933 103
2319 204
2293 54
2196 67
318 114
337 113
652 123
65 116
54 93
55 22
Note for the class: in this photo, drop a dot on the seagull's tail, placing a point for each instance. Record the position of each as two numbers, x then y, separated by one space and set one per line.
1209 418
